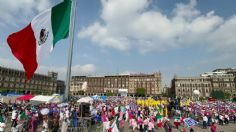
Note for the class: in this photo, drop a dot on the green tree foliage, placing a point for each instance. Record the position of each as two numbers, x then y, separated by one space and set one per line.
234 99
220 94
217 94
227 95
81 92
140 92
109 94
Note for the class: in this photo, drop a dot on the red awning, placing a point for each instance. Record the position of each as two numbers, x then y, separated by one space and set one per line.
25 97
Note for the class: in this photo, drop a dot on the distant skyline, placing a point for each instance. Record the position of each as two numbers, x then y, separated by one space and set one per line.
182 37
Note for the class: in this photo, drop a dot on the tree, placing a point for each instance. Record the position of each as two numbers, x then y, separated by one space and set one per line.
227 95
234 99
109 94
140 92
218 94
81 92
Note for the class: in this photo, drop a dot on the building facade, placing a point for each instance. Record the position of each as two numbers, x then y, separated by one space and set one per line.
60 87
184 86
12 80
111 84
207 82
76 84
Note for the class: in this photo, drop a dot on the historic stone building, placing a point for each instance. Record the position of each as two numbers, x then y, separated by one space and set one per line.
184 86
111 84
60 87
151 82
95 85
76 84
12 80
217 80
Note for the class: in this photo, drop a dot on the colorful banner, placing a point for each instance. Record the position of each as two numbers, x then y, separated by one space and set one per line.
190 122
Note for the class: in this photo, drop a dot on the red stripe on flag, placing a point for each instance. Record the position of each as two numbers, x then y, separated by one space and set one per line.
23 47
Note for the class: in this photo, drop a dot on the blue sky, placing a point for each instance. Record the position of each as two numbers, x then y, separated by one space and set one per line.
182 37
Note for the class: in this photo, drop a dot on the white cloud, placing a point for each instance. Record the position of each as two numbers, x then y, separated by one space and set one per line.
84 69
75 70
223 39
10 63
131 24
13 12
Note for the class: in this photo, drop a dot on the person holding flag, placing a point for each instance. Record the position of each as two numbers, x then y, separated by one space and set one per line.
177 121
159 120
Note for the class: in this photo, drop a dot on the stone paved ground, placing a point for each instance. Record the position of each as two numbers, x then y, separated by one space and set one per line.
226 128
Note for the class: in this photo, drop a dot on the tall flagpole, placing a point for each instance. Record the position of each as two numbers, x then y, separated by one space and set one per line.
72 25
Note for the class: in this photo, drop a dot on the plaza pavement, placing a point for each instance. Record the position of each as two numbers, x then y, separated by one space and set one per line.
225 128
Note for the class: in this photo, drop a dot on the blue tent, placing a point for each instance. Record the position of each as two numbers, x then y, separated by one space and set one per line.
95 97
103 97
13 94
9 94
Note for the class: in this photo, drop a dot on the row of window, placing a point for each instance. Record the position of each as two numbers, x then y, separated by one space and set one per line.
12 85
115 79
223 79
193 85
12 79
190 91
193 80
223 84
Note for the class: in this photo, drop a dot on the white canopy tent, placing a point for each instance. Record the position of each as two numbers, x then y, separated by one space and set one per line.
42 98
85 100
123 92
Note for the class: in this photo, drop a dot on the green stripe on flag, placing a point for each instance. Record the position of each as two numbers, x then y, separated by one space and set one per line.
159 116
177 117
61 20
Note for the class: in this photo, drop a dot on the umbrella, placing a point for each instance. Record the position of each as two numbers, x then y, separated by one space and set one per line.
55 100
44 111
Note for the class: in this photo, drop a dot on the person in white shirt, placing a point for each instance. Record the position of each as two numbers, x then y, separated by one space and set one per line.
67 113
13 117
61 115
215 118
221 120
2 126
65 125
205 120
226 119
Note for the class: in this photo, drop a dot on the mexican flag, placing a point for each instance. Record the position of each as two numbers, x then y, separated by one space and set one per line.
159 121
40 36
177 120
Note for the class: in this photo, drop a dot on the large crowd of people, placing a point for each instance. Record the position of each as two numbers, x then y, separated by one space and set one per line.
118 114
